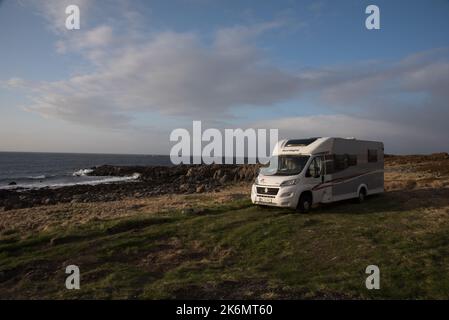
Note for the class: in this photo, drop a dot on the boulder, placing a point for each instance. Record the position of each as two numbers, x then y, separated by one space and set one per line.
224 179
13 203
184 187
47 201
189 173
200 189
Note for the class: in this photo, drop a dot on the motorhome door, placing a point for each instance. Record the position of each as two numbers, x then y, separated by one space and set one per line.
315 178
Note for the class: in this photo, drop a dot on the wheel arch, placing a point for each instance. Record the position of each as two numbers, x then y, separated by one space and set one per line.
362 186
306 192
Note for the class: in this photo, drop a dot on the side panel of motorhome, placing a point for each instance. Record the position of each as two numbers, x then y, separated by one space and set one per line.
353 163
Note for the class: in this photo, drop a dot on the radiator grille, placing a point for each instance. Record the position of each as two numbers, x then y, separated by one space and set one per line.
266 190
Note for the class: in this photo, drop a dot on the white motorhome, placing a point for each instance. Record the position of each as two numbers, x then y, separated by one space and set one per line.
303 172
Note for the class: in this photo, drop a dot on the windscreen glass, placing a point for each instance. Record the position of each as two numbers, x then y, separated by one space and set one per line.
285 165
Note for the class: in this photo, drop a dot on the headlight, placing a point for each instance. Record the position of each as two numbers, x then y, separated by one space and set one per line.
289 182
256 181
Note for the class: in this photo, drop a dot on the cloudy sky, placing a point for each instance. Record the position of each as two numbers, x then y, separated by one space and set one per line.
136 70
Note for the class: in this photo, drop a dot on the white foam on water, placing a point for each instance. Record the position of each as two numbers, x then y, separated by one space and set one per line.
82 172
96 181
38 177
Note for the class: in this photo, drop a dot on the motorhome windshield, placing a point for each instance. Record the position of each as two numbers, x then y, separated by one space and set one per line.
286 165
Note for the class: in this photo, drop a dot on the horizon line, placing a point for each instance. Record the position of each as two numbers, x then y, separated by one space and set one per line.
94 153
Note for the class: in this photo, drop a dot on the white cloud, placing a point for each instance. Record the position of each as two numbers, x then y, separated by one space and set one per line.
397 137
170 73
94 39
15 82
357 84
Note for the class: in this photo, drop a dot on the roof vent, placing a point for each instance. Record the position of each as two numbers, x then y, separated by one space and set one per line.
299 142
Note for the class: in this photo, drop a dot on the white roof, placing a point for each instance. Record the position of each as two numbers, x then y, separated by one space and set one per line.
317 145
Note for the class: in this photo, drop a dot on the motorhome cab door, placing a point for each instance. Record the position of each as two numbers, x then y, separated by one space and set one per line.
315 176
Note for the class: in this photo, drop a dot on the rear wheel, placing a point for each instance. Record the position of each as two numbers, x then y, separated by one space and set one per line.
304 203
362 195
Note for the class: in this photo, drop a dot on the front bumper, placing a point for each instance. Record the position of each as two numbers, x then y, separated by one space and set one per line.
286 197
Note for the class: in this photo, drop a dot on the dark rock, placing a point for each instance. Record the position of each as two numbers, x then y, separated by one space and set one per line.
12 183
200 189
189 173
199 211
13 203
184 187
154 180
217 174
61 240
47 201
224 179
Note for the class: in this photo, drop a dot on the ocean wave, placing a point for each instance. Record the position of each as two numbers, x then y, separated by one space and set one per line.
82 172
41 177
135 175
94 181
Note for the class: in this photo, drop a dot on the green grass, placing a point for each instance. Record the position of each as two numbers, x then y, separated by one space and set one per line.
237 251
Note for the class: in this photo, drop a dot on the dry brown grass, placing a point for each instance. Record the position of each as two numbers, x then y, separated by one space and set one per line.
44 218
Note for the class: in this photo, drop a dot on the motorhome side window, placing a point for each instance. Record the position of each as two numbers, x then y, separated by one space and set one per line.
339 162
352 160
315 168
372 155
329 163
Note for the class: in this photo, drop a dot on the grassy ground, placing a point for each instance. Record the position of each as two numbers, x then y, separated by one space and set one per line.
236 250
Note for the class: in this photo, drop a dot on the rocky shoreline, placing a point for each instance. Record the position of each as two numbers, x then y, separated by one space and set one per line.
152 181
180 179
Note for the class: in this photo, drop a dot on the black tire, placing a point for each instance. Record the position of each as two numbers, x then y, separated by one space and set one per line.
304 203
362 195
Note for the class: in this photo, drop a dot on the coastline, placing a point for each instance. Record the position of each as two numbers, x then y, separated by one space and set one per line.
134 181
137 182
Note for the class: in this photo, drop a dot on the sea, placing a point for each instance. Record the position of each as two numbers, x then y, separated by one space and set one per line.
38 170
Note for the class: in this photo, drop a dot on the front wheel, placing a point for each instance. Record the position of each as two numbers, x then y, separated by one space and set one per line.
304 203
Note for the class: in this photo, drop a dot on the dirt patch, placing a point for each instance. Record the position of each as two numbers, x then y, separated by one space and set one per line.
172 253
252 289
